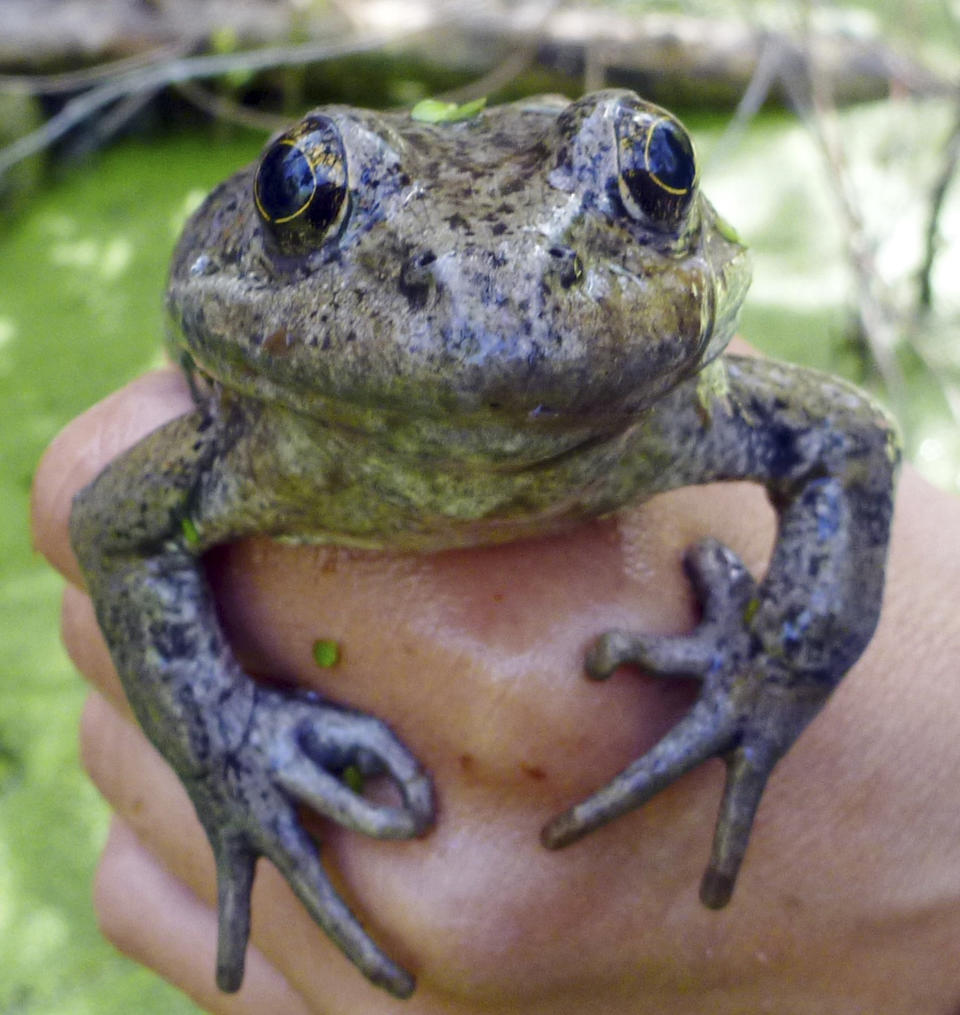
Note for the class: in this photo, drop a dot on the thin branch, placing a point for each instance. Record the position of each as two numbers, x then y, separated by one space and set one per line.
511 67
116 119
77 80
175 72
807 89
220 107
765 73
520 58
879 320
938 195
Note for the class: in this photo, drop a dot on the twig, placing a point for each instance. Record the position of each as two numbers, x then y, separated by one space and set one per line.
513 65
76 80
115 120
809 95
172 72
879 320
765 73
938 196
220 107
521 57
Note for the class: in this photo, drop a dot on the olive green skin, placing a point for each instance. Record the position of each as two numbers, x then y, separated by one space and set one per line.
489 341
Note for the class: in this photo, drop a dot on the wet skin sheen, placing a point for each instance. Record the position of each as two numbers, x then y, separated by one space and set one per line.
429 335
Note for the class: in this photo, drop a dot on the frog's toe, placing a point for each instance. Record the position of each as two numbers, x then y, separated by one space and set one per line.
297 859
708 729
725 590
723 721
748 767
329 795
295 855
324 741
298 749
750 710
236 864
309 746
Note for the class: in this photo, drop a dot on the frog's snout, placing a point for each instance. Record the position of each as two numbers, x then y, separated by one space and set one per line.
424 270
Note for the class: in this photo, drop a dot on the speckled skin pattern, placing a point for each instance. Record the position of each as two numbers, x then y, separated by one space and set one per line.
490 336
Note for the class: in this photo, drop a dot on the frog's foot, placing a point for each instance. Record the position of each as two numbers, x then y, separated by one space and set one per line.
296 750
745 713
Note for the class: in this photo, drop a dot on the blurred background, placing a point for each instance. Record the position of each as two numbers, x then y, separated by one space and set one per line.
829 134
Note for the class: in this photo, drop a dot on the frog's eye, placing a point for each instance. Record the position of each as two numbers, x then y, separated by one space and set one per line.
300 188
658 167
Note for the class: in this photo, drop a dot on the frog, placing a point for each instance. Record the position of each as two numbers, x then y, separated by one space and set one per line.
419 335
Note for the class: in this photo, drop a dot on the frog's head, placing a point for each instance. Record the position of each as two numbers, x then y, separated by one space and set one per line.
542 266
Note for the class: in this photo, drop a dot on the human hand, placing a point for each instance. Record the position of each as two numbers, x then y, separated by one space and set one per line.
849 899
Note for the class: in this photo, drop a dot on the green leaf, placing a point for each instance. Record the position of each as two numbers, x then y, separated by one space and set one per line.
437 111
189 530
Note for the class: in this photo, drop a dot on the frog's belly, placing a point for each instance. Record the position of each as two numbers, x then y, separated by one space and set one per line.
428 533
387 504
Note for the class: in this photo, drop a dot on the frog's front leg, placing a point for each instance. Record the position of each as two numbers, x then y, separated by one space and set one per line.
768 655
246 754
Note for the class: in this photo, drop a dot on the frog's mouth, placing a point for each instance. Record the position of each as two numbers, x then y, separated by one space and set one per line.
730 284
526 421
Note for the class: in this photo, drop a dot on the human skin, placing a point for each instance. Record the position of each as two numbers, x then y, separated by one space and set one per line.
849 900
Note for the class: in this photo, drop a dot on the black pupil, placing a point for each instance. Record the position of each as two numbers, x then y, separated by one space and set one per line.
286 182
670 157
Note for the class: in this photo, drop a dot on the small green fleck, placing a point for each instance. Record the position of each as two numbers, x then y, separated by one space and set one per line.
189 530
713 385
750 610
727 231
353 778
326 653
437 111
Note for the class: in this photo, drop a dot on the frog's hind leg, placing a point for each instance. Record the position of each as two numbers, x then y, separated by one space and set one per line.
249 756
714 727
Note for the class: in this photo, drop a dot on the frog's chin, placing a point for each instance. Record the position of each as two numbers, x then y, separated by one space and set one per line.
442 534
491 442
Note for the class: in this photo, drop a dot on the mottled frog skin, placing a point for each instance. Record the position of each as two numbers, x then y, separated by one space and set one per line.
429 335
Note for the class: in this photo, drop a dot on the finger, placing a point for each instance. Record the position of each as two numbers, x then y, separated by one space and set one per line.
173 932
134 779
87 649
81 450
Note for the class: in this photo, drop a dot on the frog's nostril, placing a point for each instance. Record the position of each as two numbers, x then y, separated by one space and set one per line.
416 277
567 264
